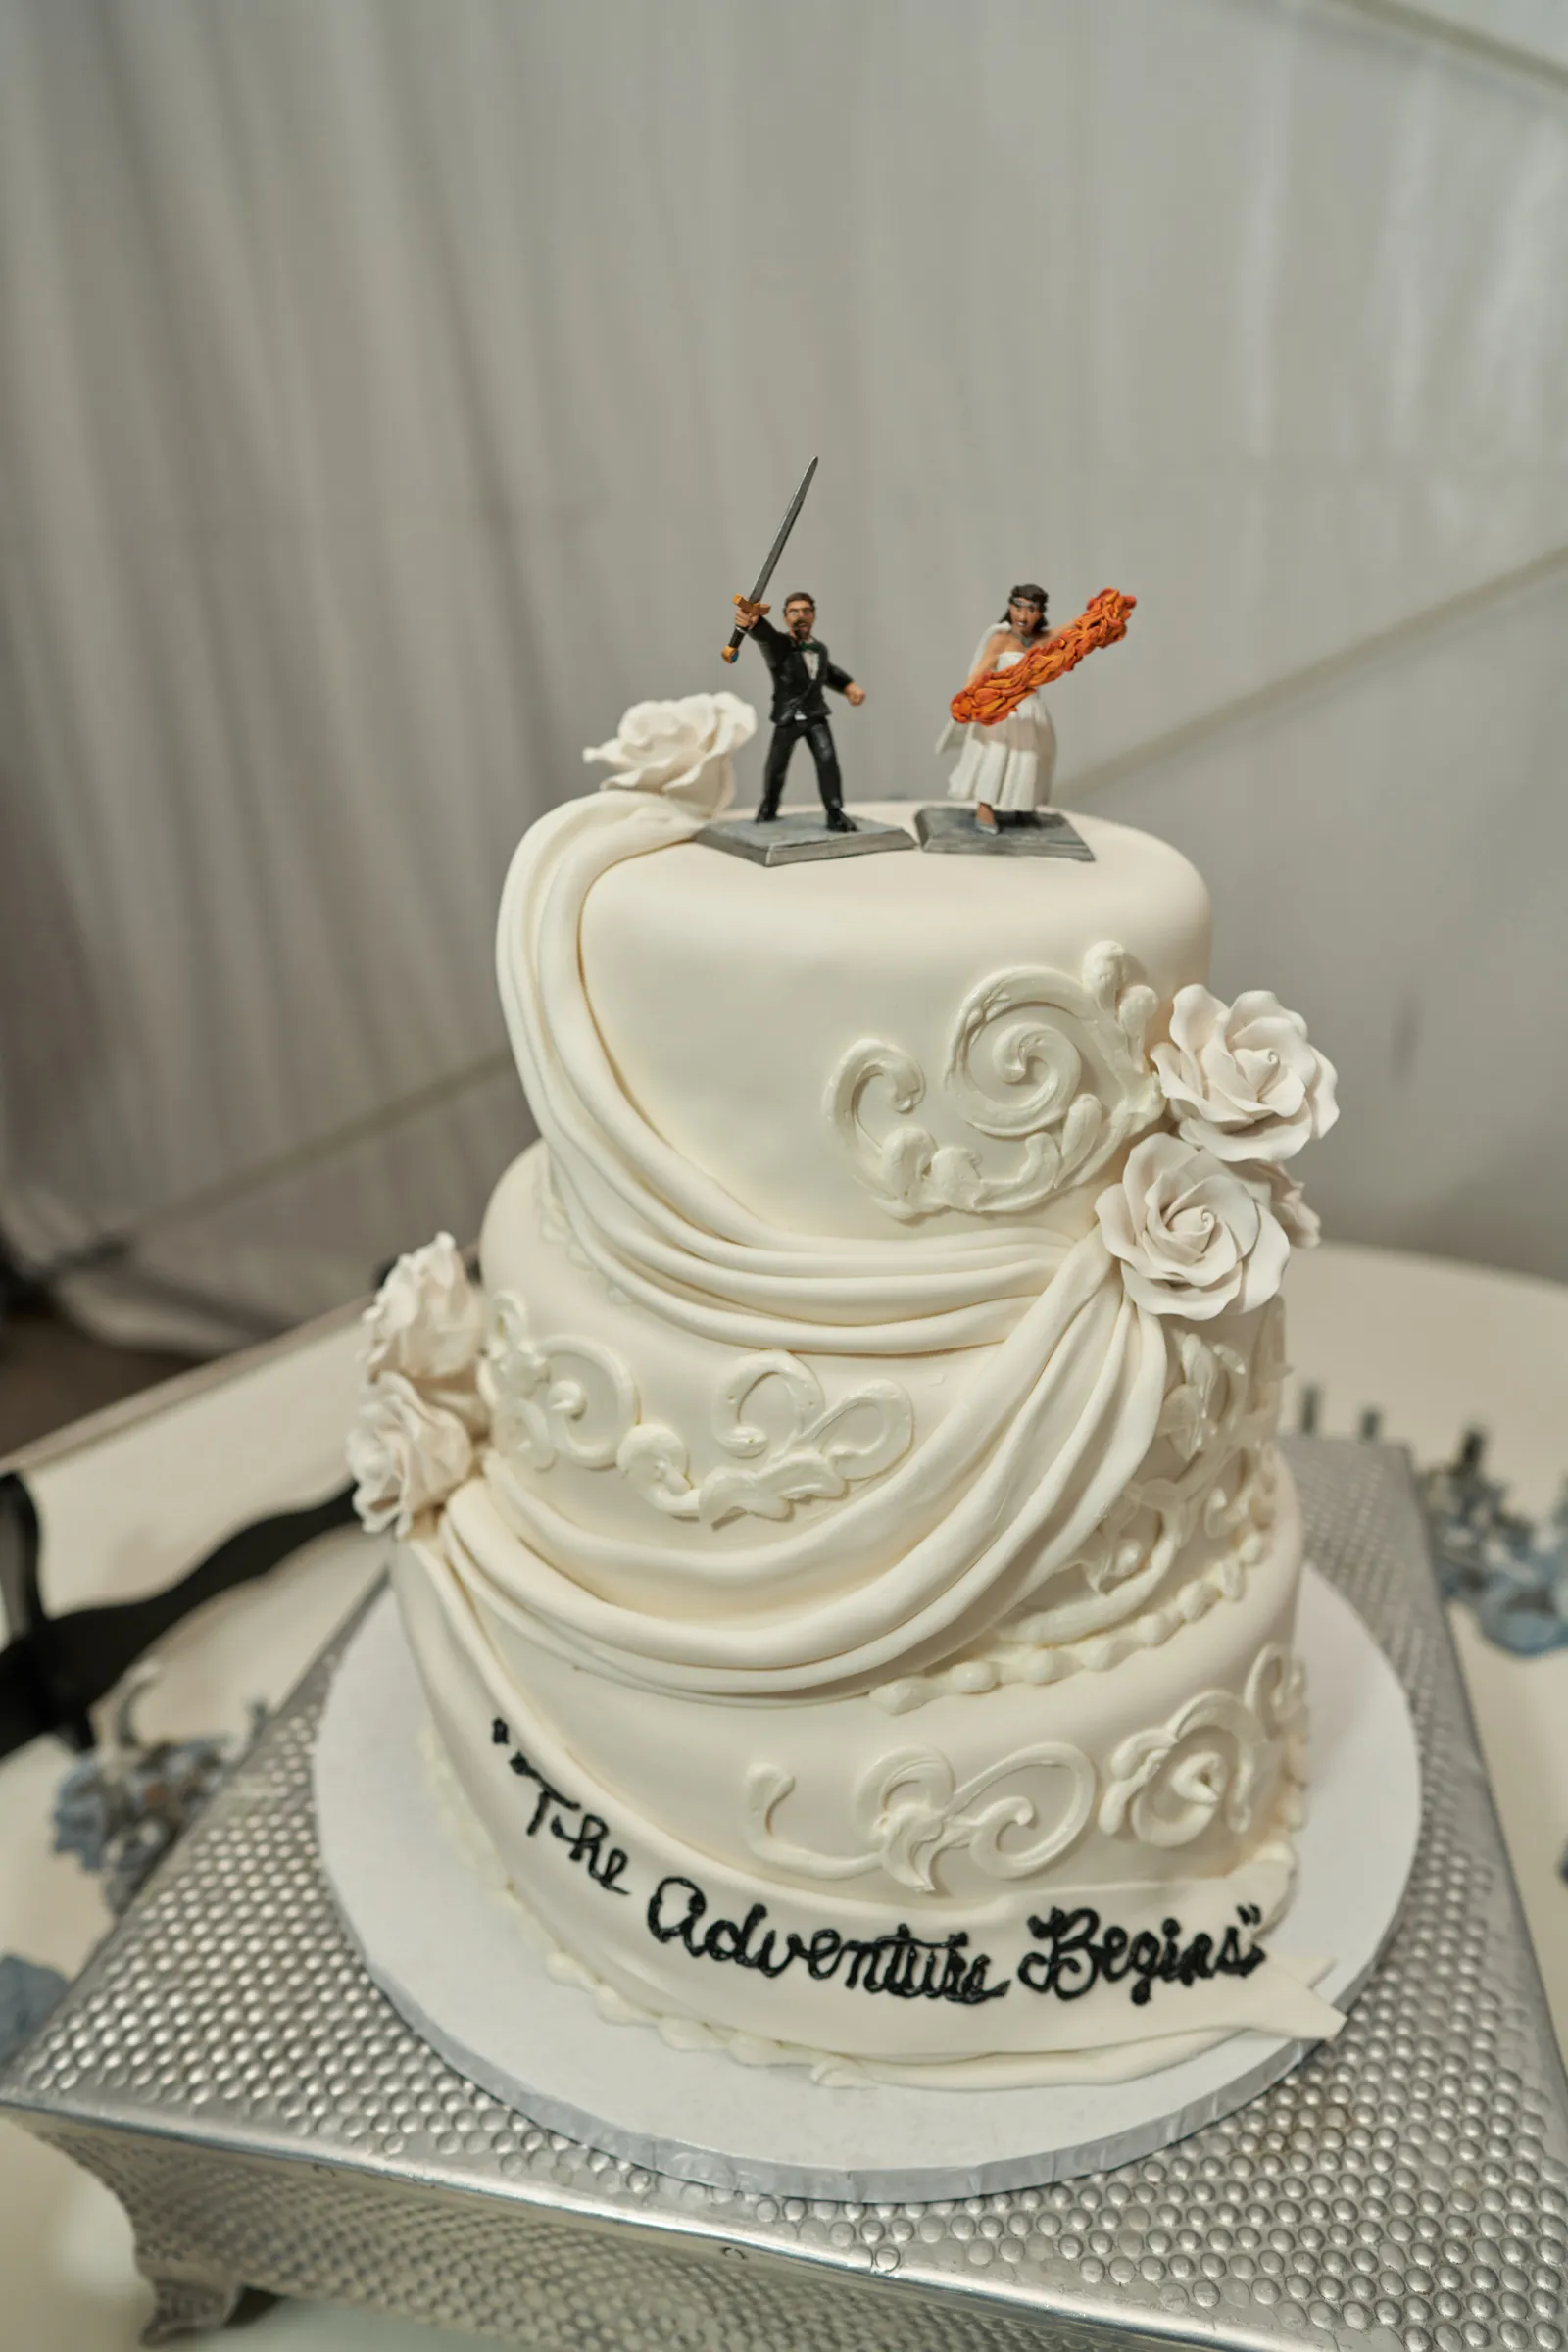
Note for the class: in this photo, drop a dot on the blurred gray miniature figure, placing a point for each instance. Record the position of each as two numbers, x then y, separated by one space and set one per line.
122 1807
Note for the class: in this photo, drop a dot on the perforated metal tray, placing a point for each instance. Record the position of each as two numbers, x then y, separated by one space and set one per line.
268 2121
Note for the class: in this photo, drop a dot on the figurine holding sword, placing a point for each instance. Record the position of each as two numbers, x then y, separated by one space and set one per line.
801 670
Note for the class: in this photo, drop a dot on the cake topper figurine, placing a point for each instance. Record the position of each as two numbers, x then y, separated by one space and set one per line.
801 668
798 663
1009 757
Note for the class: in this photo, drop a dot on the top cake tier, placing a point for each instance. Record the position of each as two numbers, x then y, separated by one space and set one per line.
887 1044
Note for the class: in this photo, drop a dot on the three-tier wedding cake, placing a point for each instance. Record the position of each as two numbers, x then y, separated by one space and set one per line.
842 1537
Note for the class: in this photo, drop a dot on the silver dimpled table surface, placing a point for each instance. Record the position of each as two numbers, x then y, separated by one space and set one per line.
268 2119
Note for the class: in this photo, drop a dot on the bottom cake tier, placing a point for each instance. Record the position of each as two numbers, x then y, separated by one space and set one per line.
1010 1885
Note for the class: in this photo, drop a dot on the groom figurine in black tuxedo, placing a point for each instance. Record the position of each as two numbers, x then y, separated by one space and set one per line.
801 668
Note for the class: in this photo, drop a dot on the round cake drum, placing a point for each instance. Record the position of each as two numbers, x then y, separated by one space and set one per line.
451 1955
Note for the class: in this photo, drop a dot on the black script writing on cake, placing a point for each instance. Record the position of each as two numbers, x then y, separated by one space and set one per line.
905 1967
1077 1955
584 1838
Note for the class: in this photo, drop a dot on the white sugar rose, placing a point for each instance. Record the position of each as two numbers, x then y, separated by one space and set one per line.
424 1320
404 1455
1193 1237
1243 1079
1279 1192
680 750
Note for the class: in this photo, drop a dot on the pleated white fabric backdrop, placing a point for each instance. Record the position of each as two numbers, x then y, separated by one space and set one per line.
389 393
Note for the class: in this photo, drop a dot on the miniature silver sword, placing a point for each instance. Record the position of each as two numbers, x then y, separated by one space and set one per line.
774 555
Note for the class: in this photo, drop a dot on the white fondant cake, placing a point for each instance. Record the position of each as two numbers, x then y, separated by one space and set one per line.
843 1542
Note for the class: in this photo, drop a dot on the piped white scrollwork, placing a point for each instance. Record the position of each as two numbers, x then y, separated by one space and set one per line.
553 1396
574 1397
1218 1757
1276 1692
821 1452
911 1810
1036 1058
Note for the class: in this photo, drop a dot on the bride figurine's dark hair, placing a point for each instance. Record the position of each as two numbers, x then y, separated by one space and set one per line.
1027 592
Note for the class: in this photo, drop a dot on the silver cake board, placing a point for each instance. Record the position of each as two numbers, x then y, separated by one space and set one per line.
269 2120
800 836
449 1951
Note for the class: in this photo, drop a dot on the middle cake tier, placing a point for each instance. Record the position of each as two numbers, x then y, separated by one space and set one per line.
787 1495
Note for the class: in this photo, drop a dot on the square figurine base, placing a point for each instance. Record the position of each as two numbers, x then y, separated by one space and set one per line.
797 835
948 829
224 2064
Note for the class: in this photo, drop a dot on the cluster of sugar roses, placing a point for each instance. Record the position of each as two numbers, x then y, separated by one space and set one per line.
421 1418
1204 1218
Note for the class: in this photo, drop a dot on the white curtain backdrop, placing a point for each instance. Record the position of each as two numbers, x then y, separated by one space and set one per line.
389 393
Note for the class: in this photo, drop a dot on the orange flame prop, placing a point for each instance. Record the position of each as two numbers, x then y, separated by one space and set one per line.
1100 622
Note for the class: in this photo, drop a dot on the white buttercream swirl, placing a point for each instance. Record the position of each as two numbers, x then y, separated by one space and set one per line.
1243 1079
1193 1236
680 750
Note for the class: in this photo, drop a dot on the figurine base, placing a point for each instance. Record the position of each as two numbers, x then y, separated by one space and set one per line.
950 830
799 835
479 1992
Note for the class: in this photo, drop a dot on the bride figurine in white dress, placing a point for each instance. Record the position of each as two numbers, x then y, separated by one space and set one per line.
1012 764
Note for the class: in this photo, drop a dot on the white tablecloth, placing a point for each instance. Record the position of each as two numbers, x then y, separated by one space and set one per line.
131 1498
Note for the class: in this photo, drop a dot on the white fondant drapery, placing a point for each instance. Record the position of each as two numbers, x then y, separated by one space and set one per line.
984 1512
388 395
660 1227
